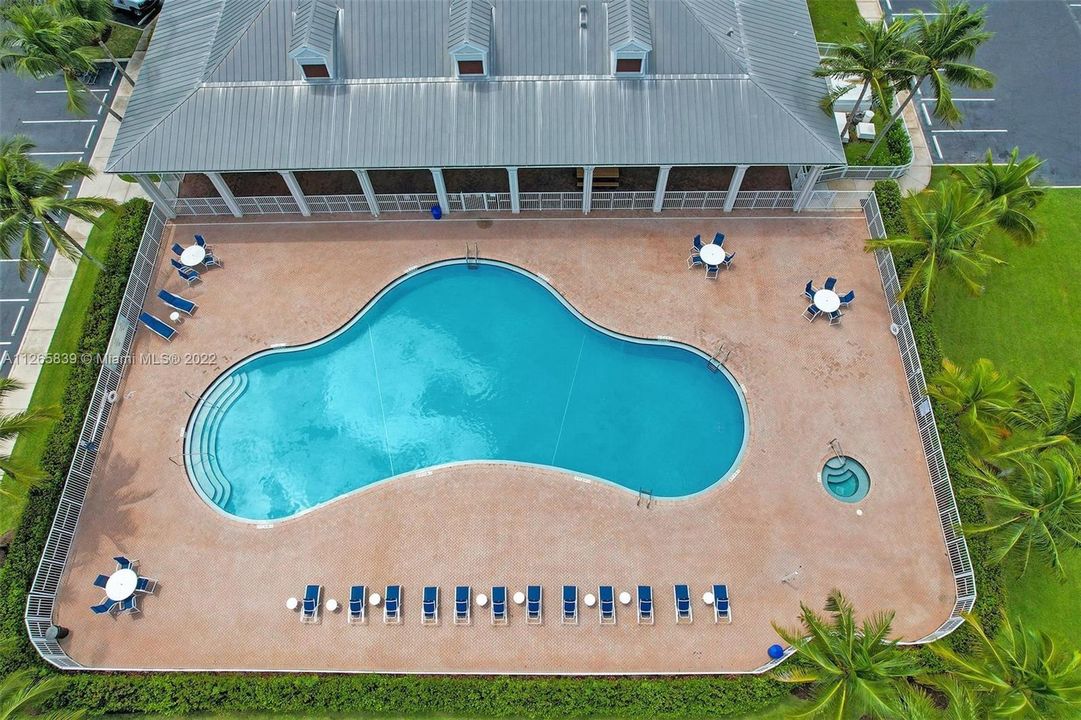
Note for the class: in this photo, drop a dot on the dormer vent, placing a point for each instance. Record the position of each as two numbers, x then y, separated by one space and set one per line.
630 38
314 39
469 37
583 16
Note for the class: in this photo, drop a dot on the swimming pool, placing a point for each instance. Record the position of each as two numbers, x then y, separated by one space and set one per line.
454 364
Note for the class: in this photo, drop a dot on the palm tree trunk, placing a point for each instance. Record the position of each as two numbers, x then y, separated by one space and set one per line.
107 106
895 115
116 63
851 122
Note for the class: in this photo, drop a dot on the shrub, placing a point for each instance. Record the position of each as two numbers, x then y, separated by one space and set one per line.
888 193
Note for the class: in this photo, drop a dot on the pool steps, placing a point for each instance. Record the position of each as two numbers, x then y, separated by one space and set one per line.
204 462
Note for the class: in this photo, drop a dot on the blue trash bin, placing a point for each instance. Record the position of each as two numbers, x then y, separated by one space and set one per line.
437 212
776 652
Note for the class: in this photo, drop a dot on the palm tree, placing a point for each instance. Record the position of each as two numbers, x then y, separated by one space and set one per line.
1054 413
39 43
950 222
1019 673
938 51
11 425
33 203
854 670
20 696
1012 181
874 60
962 703
980 397
1036 508
98 12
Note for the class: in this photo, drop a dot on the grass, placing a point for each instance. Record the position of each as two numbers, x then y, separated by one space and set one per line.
122 41
53 380
1028 323
834 20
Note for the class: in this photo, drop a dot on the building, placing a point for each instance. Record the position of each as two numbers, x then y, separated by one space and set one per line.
480 104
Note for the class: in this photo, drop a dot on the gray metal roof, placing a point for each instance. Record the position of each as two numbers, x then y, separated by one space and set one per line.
628 24
314 26
730 82
470 25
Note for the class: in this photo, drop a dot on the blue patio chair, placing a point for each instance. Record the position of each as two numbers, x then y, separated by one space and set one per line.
430 605
607 605
358 597
146 585
176 302
570 604
534 595
810 291
684 613
211 260
811 312
695 260
157 326
101 580
645 605
847 298
831 282
698 242
106 606
392 605
310 609
186 273
463 596
835 317
201 242
122 563
721 609
713 271
178 249
718 239
130 605
499 605
728 258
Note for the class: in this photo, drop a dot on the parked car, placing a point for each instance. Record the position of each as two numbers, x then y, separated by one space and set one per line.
136 7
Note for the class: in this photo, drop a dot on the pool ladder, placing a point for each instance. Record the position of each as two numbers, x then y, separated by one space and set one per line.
718 358
472 256
646 495
835 448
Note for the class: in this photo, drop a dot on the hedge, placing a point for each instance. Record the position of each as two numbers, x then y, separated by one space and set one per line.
179 693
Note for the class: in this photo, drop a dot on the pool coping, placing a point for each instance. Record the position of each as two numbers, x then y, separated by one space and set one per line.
715 365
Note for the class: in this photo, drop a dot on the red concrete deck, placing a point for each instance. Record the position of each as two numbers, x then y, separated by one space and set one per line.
223 583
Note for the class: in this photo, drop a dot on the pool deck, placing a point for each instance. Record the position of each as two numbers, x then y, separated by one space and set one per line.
223 583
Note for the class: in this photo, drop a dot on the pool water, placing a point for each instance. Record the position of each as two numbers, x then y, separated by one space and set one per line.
845 479
452 364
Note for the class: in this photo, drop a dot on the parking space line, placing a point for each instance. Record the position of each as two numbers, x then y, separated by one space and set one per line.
33 280
55 122
18 319
54 92
938 148
926 115
14 299
970 131
65 152
88 136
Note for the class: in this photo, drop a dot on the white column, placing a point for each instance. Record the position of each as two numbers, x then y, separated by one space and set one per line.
225 192
662 185
515 201
441 189
733 187
587 189
296 192
809 182
156 195
369 191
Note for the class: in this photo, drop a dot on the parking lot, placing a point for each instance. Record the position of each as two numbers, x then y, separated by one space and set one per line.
38 109
1036 55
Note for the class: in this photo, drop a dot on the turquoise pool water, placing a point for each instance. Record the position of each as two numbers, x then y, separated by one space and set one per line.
846 479
452 364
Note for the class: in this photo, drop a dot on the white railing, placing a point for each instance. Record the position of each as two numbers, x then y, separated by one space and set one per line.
950 518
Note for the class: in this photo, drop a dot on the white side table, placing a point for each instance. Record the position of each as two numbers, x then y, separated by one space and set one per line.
590 600
175 317
519 598
707 598
482 600
332 605
291 604
624 598
374 599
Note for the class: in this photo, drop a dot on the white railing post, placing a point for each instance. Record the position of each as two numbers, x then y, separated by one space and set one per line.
662 186
296 192
225 192
156 195
587 189
733 187
368 190
441 189
515 201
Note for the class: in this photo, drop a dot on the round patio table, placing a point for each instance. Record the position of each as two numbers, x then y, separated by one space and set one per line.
121 584
827 301
707 598
519 598
712 254
590 600
482 599
374 599
624 598
193 255
291 604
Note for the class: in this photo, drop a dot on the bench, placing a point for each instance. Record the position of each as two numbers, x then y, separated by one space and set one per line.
603 177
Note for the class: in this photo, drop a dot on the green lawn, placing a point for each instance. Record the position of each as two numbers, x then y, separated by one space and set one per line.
53 380
121 42
1029 323
834 20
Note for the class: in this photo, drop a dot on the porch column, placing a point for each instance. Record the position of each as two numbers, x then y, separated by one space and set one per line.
733 187
441 189
225 192
809 182
662 185
156 195
587 189
296 192
515 201
369 191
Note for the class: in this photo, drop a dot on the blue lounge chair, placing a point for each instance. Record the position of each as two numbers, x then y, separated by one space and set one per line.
721 609
499 605
122 563
310 610
392 605
718 239
695 260
831 282
429 605
684 614
847 298
130 605
463 596
157 326
186 273
607 605
176 302
835 317
101 580
728 258
645 605
534 595
811 312
358 597
178 249
713 271
810 291
570 604
106 606
146 585
698 242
